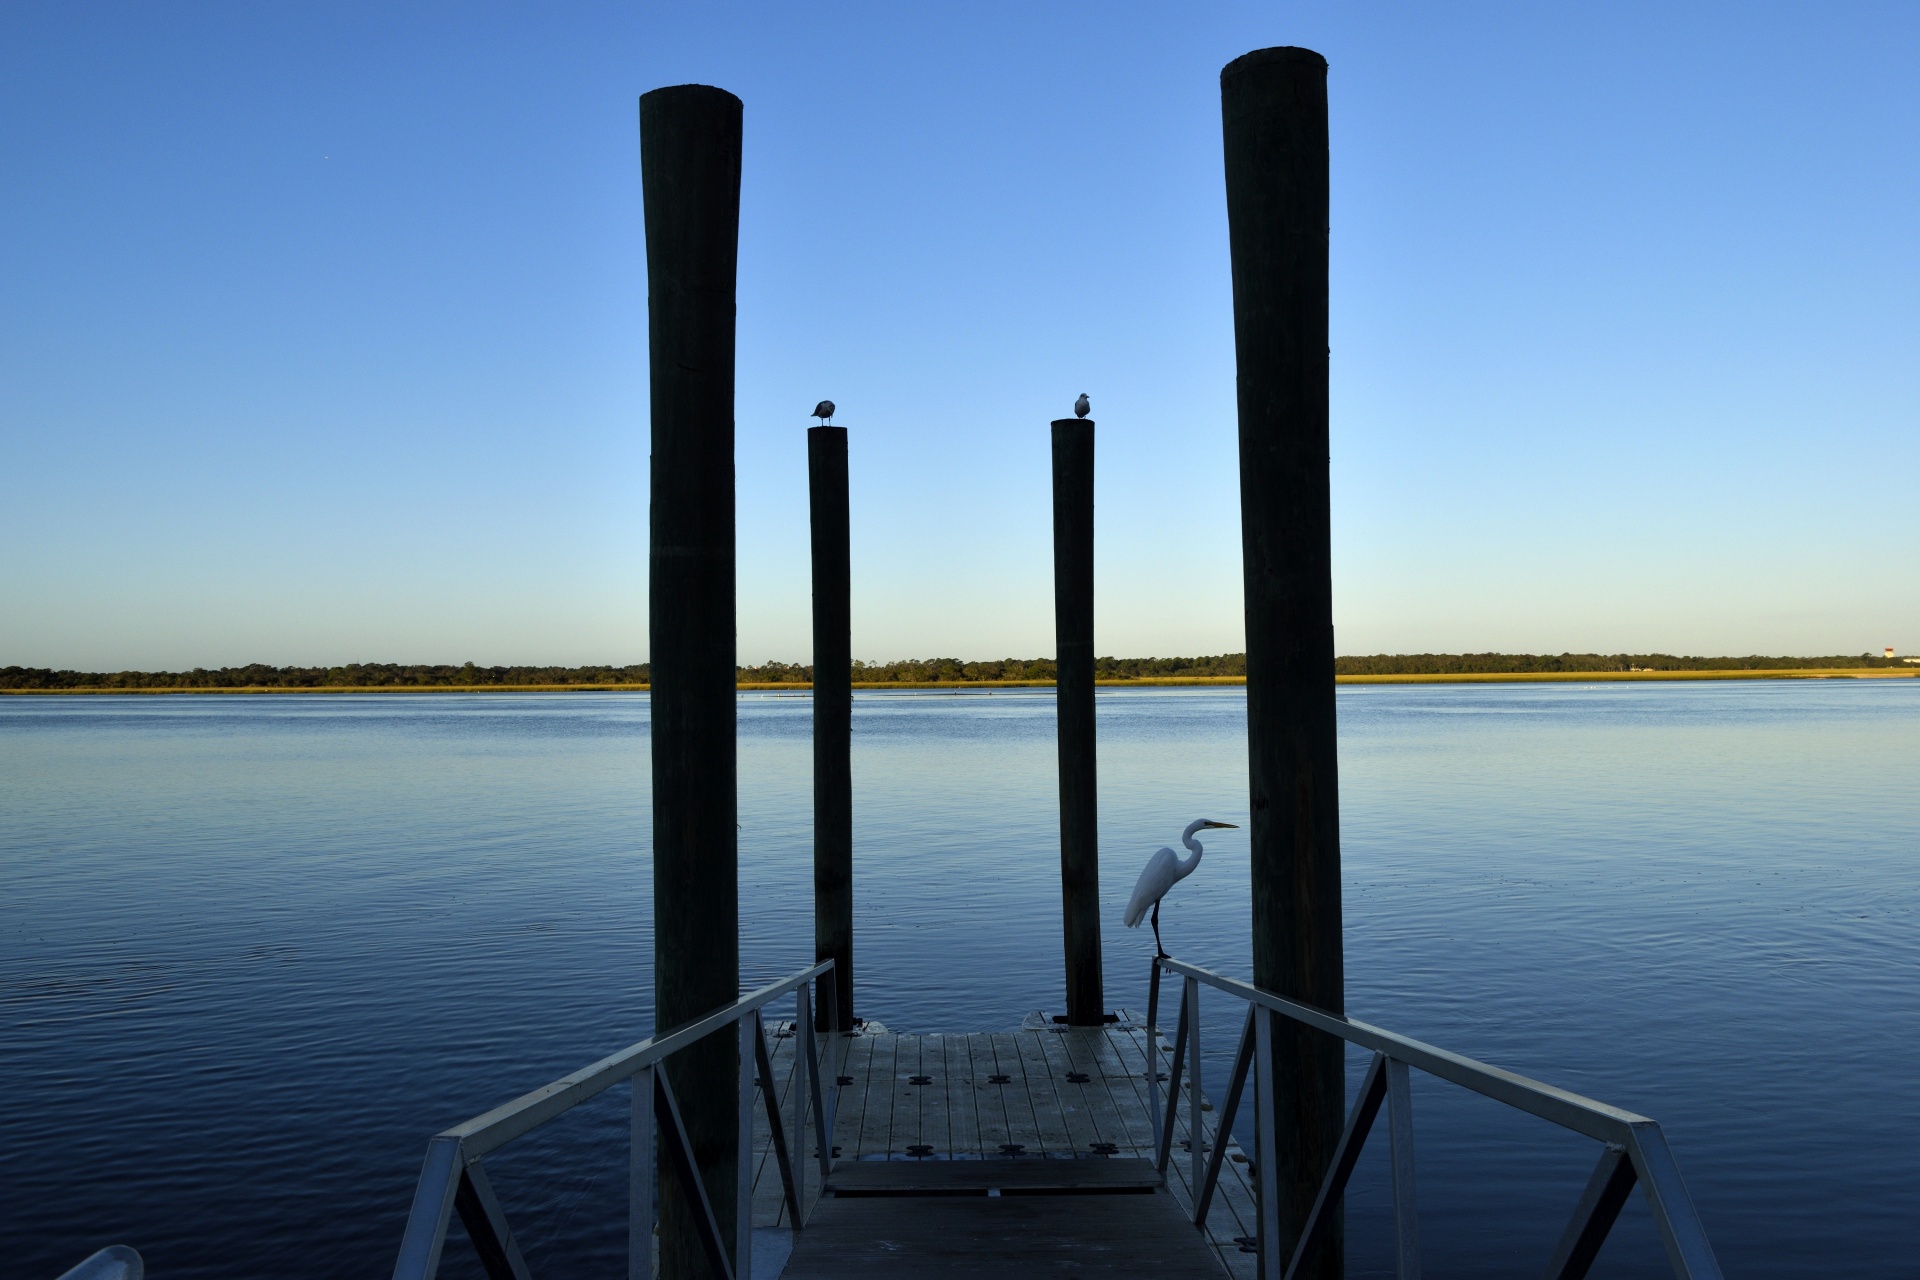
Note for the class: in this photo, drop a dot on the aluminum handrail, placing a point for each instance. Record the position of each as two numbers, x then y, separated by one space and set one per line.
452 1177
1635 1152
1563 1107
508 1121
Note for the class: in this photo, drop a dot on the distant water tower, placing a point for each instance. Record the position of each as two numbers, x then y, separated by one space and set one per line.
1889 653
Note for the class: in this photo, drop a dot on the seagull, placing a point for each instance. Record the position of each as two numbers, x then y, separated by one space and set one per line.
1083 406
824 410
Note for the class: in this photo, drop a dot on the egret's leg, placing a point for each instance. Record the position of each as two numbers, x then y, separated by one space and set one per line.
1160 948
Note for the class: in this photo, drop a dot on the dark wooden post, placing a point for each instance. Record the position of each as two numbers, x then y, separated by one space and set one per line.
1274 112
1073 690
690 178
832 717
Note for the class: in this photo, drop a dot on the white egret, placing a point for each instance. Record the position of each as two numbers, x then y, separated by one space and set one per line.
1164 870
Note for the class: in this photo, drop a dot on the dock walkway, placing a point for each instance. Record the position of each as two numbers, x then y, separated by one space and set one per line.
1023 1152
1001 1153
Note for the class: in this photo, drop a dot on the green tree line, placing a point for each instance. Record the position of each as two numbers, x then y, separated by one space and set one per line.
356 675
1433 664
908 671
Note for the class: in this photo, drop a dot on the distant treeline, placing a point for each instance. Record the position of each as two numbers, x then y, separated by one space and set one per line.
1437 664
911 671
374 675
953 670
354 675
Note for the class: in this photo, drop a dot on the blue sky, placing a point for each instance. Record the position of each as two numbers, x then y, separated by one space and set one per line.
322 335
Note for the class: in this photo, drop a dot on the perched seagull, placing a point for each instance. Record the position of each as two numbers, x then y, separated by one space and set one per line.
1083 406
824 410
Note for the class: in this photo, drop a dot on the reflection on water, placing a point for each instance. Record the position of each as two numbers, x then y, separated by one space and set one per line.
254 950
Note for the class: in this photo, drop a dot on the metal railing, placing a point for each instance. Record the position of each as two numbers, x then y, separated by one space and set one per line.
452 1177
1635 1151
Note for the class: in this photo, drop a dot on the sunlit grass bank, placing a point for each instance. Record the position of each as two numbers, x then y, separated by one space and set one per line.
1144 682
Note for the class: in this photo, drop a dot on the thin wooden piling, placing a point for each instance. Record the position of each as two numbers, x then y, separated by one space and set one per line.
1073 654
690 177
832 716
1274 115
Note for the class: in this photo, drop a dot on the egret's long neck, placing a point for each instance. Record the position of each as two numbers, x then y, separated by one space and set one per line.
1186 838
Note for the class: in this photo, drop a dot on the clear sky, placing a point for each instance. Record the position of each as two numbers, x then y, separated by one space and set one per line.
322 327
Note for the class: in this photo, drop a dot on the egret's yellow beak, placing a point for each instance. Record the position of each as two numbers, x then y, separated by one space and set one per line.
1229 826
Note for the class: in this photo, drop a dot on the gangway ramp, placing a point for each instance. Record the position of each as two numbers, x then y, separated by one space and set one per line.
1002 1219
1025 1152
1020 1152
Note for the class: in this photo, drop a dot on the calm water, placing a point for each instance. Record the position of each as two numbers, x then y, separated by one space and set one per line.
253 951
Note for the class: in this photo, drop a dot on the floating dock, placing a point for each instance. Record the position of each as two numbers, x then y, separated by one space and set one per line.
1045 1148
1001 1152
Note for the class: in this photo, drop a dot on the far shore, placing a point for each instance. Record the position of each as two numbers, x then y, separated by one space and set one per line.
902 686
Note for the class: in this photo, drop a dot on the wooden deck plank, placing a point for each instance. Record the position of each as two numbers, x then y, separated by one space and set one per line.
851 1122
936 1114
1023 1118
1107 1061
909 1099
875 1138
1124 1120
991 1098
1049 1109
1023 1127
1120 1076
835 1056
1076 1097
851 1098
963 1098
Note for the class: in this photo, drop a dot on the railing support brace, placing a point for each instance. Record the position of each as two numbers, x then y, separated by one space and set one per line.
769 1092
1373 1091
1153 1051
1606 1194
825 1094
1266 1148
803 1076
1190 1002
749 1040
640 1170
486 1224
1174 1066
1223 1121
673 1134
1406 1217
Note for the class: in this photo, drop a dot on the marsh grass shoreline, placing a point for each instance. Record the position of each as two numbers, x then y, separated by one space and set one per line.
903 686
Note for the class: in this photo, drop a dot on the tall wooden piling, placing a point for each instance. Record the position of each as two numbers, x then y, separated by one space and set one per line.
1073 690
832 716
1274 114
690 178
